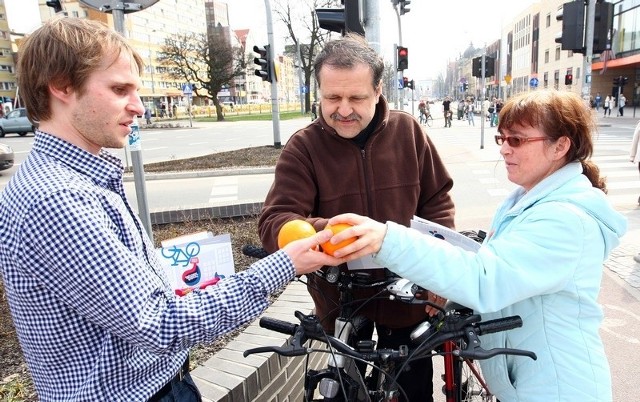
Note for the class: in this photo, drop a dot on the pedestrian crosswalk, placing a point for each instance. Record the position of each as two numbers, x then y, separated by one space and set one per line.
482 162
611 154
623 179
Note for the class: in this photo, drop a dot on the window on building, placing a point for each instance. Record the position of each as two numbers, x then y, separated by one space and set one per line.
548 20
558 53
546 56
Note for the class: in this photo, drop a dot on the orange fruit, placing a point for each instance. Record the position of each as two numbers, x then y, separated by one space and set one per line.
294 230
330 248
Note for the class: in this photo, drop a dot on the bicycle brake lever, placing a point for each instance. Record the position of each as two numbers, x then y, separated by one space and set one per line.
284 351
481 354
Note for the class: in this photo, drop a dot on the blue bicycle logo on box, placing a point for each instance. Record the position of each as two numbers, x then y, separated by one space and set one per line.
182 255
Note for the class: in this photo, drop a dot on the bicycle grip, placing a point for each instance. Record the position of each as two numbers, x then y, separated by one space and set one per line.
253 251
276 325
499 325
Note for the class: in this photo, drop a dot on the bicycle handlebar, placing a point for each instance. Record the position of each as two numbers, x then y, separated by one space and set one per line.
499 325
453 328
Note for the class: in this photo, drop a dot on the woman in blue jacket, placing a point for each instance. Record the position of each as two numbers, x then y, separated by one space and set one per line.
542 258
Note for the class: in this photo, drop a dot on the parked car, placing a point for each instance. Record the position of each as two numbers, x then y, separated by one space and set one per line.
16 121
6 157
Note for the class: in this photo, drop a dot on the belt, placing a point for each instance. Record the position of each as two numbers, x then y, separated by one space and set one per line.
166 389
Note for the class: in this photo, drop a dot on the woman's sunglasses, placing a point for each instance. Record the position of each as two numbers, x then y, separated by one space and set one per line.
515 142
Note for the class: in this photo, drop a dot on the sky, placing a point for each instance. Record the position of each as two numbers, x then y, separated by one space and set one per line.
434 32
23 15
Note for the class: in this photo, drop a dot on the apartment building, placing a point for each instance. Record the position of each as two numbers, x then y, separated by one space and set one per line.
527 57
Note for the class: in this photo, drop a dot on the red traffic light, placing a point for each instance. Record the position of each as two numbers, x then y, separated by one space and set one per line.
568 79
403 58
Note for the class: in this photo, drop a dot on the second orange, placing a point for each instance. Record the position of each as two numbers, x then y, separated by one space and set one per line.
331 248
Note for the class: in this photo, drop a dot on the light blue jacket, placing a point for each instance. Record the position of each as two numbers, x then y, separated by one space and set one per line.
542 260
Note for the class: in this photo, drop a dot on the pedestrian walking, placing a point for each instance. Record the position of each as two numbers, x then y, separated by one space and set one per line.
446 109
469 113
598 101
607 106
622 101
147 115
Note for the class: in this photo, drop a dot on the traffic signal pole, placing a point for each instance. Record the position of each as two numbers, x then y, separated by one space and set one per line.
136 152
275 107
399 95
588 55
483 95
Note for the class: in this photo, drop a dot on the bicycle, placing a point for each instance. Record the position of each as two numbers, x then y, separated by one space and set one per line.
425 118
455 330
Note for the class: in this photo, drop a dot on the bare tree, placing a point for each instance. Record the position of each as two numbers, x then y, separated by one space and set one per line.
305 33
206 60
389 78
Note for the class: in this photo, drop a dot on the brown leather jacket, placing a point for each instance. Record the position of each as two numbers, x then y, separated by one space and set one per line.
398 174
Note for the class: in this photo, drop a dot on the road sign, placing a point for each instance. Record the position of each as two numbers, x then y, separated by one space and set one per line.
533 82
400 83
186 89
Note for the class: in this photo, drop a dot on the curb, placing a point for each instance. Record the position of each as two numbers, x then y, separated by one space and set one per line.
202 173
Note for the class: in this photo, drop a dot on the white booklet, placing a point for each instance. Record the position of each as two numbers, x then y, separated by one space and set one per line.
442 232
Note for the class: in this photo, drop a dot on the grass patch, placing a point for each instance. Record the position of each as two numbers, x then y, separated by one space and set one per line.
255 116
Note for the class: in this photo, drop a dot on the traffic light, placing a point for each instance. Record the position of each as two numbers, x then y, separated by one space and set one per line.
405 82
572 16
489 66
465 86
411 85
568 79
403 58
403 7
476 67
55 4
602 26
264 62
347 19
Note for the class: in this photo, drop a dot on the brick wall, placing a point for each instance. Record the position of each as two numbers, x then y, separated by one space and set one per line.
230 377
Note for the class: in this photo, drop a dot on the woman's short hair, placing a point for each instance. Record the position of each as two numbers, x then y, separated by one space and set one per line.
557 114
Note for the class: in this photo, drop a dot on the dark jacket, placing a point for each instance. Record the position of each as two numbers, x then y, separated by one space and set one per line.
398 174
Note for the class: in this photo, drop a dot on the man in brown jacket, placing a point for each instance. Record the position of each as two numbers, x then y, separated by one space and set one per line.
361 157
